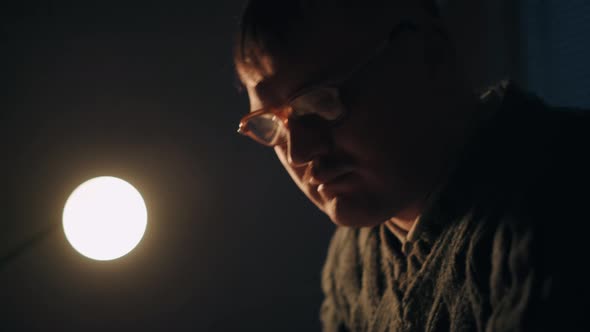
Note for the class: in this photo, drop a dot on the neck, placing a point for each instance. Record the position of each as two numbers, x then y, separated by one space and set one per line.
465 118
406 218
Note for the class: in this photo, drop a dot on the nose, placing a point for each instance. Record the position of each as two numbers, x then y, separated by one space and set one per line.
307 141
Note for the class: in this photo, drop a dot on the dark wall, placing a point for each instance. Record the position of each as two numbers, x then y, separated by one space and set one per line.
556 50
487 39
543 45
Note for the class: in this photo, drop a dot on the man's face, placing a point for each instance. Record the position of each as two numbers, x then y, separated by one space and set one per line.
374 164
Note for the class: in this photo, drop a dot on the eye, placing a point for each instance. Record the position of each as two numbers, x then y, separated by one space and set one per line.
266 127
321 102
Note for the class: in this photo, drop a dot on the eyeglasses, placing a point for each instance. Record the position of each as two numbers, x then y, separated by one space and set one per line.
270 126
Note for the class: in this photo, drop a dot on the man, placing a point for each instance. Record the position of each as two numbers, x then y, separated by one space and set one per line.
455 211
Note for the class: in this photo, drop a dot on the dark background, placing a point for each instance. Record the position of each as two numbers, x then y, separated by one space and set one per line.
146 92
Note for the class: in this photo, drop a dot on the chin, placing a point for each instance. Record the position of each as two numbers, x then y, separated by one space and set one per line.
351 212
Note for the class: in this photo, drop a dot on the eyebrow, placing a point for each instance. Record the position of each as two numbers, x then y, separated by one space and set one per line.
265 96
318 78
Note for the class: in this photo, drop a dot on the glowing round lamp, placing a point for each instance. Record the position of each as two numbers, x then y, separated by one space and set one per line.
104 218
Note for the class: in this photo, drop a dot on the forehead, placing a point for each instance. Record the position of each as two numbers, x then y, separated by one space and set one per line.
314 52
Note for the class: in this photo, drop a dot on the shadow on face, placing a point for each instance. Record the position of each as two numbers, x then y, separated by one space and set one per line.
379 159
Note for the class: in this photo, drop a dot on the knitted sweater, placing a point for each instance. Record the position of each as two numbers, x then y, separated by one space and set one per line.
502 246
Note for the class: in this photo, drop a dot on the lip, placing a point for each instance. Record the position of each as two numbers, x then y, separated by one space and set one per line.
330 177
339 185
325 177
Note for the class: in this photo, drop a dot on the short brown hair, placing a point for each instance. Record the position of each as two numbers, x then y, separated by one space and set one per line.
266 24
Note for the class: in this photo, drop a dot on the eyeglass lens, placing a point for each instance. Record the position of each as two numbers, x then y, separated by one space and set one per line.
322 102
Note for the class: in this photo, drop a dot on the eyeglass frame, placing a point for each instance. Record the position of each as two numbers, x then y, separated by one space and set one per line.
285 111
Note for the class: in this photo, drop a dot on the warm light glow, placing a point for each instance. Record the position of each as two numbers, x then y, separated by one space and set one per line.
104 218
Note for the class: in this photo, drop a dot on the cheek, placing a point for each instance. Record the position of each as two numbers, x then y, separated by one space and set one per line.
295 173
383 134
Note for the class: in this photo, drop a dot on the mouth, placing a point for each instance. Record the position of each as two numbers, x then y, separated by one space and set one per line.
334 186
324 177
330 178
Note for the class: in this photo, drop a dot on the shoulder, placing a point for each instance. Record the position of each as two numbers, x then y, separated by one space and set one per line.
530 227
347 250
536 157
342 276
544 175
553 150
